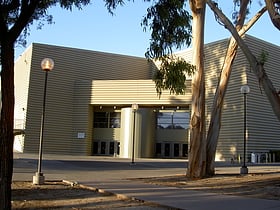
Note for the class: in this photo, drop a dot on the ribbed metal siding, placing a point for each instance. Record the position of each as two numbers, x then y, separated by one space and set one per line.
70 84
263 127
230 130
264 132
62 122
133 91
21 79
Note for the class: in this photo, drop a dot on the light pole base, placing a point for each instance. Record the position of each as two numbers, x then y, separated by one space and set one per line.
243 170
38 179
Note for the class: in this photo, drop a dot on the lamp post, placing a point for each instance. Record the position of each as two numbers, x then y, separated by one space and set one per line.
245 89
134 109
47 65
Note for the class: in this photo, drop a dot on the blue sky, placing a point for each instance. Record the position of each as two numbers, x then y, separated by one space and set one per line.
94 28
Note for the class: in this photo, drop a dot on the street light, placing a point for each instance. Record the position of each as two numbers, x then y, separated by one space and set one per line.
47 65
134 109
245 89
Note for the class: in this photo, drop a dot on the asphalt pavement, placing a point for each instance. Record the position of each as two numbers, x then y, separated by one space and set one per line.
114 175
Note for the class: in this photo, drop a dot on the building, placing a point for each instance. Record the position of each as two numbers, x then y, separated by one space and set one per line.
106 104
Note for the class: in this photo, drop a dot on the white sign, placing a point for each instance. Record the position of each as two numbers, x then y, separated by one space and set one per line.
81 135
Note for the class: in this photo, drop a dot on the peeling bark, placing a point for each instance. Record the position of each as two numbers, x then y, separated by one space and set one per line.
197 153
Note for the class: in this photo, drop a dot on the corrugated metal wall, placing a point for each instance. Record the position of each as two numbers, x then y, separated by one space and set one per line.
21 79
133 91
82 77
264 134
263 127
64 95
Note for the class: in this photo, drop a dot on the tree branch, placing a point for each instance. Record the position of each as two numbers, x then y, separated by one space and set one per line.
27 11
228 25
242 10
12 5
252 21
273 7
256 65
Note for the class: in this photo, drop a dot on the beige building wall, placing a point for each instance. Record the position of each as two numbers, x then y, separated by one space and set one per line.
62 121
21 80
263 126
83 80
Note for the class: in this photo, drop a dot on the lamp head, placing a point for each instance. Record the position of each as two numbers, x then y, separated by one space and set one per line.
47 64
245 89
134 106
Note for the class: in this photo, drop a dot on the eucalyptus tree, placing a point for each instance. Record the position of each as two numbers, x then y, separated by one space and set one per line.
202 146
197 153
15 18
172 28
218 100
257 65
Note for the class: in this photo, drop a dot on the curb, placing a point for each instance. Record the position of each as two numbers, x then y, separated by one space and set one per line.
118 195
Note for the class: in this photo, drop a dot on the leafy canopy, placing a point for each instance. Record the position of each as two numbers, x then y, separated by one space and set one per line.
16 16
172 75
170 24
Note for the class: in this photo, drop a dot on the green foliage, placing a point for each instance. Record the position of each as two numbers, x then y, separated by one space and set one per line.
112 4
263 57
171 27
69 4
235 14
14 10
16 16
172 75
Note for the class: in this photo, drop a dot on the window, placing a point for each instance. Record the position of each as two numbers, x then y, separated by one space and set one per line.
95 148
101 119
112 148
103 148
158 149
167 150
176 150
185 150
107 120
115 119
173 120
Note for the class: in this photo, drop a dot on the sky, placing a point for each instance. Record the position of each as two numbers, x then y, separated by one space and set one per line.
94 28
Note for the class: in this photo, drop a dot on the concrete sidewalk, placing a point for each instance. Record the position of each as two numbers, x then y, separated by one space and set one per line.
112 175
181 198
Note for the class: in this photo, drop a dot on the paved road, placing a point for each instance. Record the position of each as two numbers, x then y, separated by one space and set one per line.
111 174
100 168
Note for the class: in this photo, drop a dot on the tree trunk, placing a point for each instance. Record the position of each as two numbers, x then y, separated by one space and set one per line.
197 153
6 123
216 112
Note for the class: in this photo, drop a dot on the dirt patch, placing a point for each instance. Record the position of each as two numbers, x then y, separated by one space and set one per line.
265 186
59 195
